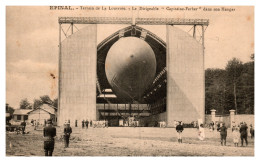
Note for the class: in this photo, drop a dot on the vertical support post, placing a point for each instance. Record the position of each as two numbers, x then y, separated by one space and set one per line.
232 117
59 82
203 52
194 31
213 115
125 109
71 28
104 103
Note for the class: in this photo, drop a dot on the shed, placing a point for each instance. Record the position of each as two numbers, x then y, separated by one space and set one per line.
42 113
21 114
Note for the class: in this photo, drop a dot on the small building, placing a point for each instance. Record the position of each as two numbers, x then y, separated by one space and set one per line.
21 115
43 113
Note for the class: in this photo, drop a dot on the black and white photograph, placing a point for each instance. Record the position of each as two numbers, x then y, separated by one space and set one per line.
135 81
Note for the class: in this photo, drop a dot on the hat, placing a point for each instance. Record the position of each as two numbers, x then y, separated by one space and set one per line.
49 121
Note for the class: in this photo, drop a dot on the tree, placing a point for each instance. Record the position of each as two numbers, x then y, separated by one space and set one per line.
37 103
215 90
46 100
55 102
234 69
25 104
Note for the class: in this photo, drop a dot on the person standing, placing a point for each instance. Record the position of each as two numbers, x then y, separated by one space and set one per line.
83 123
35 124
87 124
201 132
223 133
213 125
106 123
90 123
24 125
252 131
67 132
76 123
49 132
236 135
179 129
243 133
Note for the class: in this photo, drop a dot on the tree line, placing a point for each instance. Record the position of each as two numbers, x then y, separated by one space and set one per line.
230 88
25 104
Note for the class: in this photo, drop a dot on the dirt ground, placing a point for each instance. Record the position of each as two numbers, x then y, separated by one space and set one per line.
126 141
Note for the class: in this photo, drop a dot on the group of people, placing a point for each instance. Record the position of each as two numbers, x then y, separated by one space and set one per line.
49 132
35 124
238 132
85 123
100 124
162 124
241 131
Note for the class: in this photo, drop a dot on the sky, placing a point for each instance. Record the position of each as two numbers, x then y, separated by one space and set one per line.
32 37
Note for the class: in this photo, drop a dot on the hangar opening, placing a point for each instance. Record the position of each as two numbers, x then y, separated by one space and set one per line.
131 77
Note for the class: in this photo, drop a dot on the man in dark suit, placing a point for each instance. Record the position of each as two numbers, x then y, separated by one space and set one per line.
49 132
67 132
223 134
243 133
24 125
179 129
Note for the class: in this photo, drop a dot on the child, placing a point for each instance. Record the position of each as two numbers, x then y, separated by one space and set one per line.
236 135
201 132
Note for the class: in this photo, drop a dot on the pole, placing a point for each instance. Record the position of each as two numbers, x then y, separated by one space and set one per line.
203 52
59 82
194 31
71 28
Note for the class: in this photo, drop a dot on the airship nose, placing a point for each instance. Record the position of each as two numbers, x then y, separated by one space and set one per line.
132 67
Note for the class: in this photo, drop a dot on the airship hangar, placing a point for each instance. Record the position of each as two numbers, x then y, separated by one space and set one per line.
132 73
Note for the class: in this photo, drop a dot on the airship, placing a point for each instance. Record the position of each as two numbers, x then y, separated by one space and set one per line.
130 67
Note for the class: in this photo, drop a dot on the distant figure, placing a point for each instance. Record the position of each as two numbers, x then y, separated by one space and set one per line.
90 123
106 123
76 123
252 131
67 132
243 133
24 125
83 123
218 125
32 122
213 125
201 132
179 129
223 133
236 135
86 124
35 124
45 122
49 132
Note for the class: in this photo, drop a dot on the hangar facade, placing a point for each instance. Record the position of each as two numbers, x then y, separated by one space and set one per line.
176 93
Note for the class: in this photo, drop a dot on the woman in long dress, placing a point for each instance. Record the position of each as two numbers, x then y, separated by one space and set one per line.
201 132
236 136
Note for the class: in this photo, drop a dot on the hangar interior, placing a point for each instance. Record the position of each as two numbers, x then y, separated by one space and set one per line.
152 101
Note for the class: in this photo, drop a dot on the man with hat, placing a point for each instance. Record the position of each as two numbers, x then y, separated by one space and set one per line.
243 133
179 129
49 132
223 133
67 132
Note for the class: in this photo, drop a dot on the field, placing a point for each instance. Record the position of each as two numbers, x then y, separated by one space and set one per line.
126 141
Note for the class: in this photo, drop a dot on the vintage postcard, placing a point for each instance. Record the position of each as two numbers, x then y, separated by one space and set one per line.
130 81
